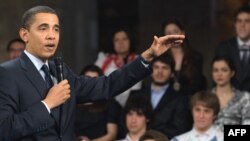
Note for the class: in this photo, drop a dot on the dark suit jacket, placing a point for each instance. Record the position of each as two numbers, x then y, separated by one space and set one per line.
230 49
24 117
172 114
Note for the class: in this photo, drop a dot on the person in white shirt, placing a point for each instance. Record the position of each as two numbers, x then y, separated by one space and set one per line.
205 107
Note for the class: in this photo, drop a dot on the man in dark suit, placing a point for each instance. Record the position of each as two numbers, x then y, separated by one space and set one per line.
238 49
30 95
170 108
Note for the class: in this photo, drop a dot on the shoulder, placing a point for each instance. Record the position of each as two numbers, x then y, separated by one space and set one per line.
183 137
228 42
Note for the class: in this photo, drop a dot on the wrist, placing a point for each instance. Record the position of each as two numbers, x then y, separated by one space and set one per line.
147 55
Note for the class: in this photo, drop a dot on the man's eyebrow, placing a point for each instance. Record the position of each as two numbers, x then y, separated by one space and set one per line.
57 26
43 25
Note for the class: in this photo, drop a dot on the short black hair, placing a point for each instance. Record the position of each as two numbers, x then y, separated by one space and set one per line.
92 68
165 58
13 41
141 105
28 16
243 9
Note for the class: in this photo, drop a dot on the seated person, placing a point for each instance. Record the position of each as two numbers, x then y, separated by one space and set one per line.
138 113
205 107
15 47
96 121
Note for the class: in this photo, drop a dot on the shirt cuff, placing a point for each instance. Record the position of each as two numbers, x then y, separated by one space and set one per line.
47 107
144 62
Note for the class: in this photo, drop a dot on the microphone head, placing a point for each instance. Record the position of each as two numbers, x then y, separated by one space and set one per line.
59 68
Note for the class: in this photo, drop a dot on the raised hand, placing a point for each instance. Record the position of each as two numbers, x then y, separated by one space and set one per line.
161 45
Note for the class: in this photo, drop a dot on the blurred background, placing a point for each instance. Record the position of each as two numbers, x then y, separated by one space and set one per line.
87 25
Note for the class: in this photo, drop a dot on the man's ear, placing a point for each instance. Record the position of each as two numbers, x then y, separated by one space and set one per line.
24 33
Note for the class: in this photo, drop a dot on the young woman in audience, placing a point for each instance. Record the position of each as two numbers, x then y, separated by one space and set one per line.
123 53
189 76
234 104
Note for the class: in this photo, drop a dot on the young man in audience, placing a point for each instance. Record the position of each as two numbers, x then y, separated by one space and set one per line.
205 107
238 49
138 113
172 115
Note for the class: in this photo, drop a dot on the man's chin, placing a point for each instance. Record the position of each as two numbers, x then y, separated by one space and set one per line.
160 83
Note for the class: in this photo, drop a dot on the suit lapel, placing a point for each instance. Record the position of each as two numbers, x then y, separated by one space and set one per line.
236 58
33 75
61 120
166 98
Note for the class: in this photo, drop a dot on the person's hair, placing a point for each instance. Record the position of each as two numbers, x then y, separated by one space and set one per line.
29 15
130 38
92 68
166 59
174 21
154 135
8 48
189 67
229 62
243 9
208 99
226 59
139 104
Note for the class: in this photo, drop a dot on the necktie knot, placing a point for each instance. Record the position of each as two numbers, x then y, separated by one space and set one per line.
48 80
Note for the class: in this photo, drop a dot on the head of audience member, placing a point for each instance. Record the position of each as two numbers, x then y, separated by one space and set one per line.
122 43
242 23
138 114
173 27
40 31
163 67
152 135
205 107
223 71
15 47
91 71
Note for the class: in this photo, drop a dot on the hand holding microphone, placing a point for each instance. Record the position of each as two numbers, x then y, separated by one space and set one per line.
60 92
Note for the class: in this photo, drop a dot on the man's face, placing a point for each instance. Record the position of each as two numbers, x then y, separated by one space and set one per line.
16 49
161 73
242 26
203 117
42 37
136 123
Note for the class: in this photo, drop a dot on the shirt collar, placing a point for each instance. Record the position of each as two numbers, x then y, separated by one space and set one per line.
208 133
36 61
240 42
162 88
128 138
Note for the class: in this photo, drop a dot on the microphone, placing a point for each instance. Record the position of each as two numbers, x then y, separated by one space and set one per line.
59 68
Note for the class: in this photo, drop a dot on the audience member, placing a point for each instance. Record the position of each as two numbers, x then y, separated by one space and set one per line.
15 47
205 107
96 121
152 135
123 53
238 49
169 106
36 106
234 104
188 70
138 113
